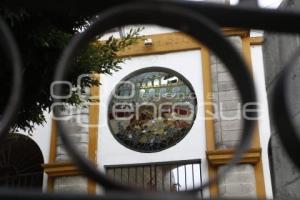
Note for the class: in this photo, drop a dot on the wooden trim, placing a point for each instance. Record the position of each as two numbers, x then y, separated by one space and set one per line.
222 157
52 154
53 142
213 188
236 32
260 182
259 40
259 175
61 169
247 54
164 43
50 184
93 132
209 120
208 106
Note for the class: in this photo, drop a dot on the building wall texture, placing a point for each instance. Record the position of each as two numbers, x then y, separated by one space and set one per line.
77 124
240 182
278 49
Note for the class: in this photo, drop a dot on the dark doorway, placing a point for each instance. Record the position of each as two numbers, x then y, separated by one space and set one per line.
20 163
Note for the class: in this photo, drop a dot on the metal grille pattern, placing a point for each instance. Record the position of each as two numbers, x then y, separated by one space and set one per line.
197 19
163 177
28 181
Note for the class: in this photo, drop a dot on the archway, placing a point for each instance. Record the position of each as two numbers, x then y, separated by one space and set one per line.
20 163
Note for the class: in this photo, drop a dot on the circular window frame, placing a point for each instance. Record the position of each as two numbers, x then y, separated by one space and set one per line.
146 70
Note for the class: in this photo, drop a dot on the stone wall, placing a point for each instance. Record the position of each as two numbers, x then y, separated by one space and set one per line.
70 184
77 125
240 182
277 50
226 101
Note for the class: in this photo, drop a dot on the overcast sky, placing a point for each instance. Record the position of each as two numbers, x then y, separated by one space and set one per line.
262 3
265 3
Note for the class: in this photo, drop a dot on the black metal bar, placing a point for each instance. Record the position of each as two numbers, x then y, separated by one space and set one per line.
121 175
154 174
224 15
178 189
200 175
143 177
179 162
170 178
150 183
193 176
185 178
163 170
114 174
33 195
237 16
136 176
155 178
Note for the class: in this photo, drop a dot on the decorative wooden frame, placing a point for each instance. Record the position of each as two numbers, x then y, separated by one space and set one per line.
222 157
164 43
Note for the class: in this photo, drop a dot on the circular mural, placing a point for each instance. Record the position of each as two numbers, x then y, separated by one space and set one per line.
152 109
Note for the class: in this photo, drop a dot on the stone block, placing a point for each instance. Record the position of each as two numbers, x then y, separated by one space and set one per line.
231 125
69 184
229 95
227 85
230 105
231 135
228 115
239 182
224 77
222 68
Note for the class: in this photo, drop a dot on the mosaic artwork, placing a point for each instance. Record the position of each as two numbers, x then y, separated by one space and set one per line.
152 110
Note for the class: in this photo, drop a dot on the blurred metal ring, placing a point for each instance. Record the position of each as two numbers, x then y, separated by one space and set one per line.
10 49
282 111
174 17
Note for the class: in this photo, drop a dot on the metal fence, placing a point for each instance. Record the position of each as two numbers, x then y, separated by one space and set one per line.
198 19
25 181
163 177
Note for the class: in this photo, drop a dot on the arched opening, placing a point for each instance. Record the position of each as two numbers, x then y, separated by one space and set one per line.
20 163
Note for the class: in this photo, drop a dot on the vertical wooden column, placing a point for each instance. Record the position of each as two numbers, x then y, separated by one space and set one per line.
209 112
258 167
93 130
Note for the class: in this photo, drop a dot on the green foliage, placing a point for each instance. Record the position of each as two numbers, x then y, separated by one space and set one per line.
41 38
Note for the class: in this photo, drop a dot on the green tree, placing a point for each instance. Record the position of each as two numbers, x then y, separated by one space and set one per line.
41 38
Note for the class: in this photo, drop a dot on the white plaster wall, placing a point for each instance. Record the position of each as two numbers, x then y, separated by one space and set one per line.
191 147
111 152
263 122
41 135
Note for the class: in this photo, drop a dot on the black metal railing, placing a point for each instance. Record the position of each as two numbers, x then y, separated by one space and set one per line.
175 176
26 181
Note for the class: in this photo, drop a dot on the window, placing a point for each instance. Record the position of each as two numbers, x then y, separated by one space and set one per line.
149 121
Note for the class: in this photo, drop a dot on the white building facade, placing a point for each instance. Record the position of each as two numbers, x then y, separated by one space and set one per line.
157 162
